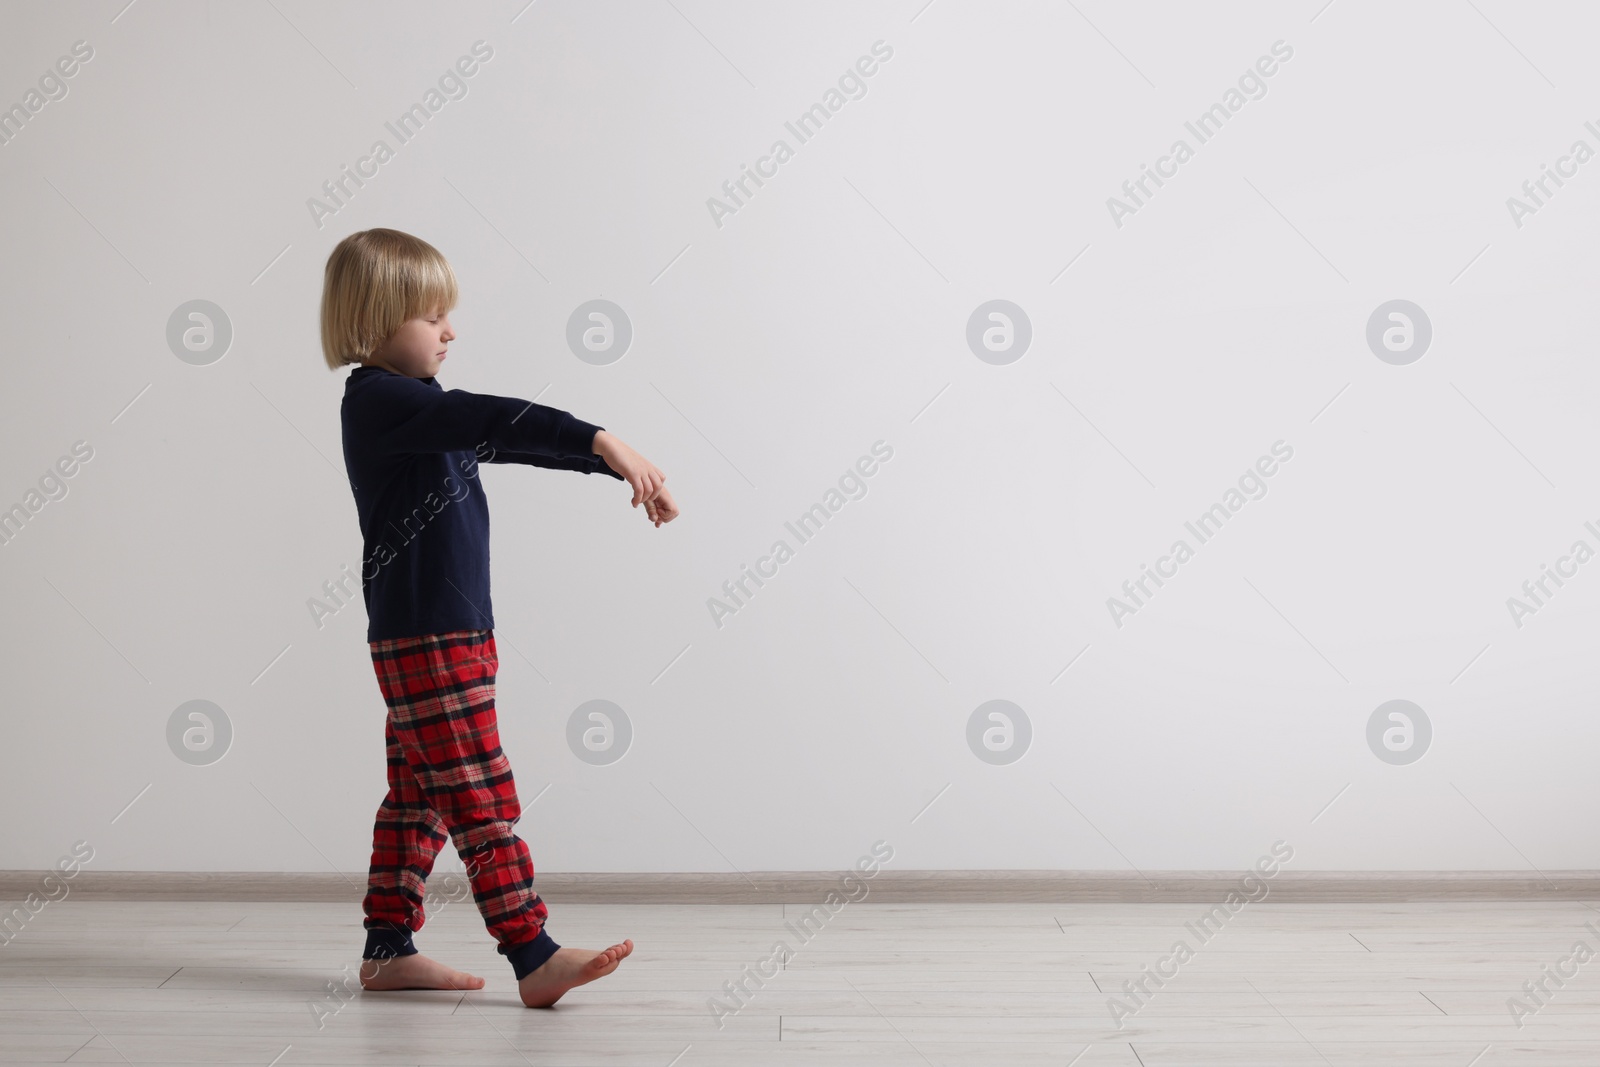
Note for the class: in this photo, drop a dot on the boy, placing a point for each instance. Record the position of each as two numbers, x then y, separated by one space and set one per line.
411 450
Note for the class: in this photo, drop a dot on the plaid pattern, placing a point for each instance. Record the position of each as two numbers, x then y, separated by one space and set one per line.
447 776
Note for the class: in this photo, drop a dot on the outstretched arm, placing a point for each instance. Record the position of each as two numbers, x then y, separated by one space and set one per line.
659 510
585 464
396 414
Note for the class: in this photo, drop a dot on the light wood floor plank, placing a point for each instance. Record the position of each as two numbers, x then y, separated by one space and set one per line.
1342 984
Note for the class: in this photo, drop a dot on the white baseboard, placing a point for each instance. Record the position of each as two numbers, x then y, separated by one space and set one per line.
887 886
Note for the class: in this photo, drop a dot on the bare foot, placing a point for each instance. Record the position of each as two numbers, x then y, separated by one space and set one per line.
567 968
415 971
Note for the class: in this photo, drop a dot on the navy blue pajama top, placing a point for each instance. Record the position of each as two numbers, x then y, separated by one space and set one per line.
411 452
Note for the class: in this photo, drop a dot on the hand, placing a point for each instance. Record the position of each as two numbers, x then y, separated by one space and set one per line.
661 509
645 477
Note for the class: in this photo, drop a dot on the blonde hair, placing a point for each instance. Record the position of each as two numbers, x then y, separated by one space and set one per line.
374 281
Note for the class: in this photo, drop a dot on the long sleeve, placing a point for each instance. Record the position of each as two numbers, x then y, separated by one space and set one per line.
401 415
592 464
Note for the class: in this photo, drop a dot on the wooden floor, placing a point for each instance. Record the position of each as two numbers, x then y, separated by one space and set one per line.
1281 984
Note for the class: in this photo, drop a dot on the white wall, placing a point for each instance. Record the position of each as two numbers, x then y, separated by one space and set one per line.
769 354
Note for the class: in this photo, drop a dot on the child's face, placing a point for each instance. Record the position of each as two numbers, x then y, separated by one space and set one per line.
417 348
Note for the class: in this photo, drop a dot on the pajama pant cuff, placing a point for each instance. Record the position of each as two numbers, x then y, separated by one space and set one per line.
530 955
385 942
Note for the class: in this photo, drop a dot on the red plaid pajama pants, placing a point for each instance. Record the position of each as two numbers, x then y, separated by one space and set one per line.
448 775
